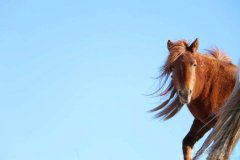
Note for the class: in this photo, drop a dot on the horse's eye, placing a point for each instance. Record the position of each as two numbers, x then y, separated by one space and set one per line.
195 65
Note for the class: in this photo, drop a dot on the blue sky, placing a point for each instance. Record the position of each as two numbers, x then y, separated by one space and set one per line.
74 75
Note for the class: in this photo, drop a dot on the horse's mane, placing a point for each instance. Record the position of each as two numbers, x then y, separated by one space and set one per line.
168 110
226 131
171 106
219 55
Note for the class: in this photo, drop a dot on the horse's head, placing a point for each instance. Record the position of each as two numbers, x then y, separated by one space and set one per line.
183 68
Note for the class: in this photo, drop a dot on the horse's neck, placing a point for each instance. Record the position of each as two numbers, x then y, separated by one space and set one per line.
206 72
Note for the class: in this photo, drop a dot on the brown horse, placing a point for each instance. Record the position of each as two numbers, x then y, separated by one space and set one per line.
201 81
226 132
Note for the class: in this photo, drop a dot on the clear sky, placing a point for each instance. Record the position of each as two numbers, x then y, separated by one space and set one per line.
74 75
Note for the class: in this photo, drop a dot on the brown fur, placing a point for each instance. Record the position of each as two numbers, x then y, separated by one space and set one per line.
226 132
209 84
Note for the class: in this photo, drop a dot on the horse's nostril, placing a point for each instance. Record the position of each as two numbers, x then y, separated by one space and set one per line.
190 91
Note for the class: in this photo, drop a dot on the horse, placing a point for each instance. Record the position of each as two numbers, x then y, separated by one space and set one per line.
201 81
226 132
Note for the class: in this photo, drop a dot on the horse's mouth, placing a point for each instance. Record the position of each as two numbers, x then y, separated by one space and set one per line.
184 100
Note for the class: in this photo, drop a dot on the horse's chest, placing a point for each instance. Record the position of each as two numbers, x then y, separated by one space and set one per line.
201 111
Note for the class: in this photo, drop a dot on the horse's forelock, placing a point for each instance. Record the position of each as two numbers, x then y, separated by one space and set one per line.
176 50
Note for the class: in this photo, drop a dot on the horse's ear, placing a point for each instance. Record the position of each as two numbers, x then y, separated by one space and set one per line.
169 44
194 46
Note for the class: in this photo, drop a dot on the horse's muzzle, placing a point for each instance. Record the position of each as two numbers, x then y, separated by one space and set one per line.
185 96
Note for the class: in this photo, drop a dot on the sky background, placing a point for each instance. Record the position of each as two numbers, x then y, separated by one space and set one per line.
74 75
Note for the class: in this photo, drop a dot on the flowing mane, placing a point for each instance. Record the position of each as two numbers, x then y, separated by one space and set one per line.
172 106
219 55
170 109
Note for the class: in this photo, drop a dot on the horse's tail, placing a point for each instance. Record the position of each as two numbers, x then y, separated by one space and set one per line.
226 132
